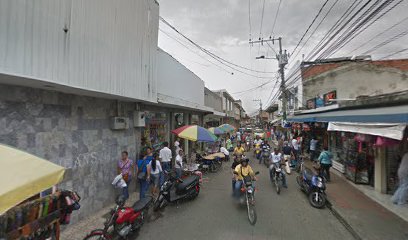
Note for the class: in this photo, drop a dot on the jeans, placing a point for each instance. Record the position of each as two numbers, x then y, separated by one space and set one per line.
237 188
325 170
125 190
166 166
401 194
312 155
179 172
233 185
144 187
272 176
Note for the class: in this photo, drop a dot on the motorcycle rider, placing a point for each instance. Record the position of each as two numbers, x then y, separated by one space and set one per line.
239 150
240 172
276 159
264 146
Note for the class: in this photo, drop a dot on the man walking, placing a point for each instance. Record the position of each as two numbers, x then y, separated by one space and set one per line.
165 157
313 145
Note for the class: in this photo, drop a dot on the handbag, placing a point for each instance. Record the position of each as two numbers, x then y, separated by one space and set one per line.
126 176
142 175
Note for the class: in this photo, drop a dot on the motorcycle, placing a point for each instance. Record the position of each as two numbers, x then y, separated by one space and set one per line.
123 221
175 189
257 151
266 153
276 176
248 197
247 145
313 185
212 165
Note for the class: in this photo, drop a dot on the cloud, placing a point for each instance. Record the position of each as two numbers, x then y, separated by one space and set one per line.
222 26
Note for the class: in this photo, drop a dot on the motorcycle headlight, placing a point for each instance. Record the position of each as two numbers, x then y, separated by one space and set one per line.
319 184
250 190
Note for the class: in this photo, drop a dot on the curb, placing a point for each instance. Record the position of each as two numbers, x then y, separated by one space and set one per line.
343 221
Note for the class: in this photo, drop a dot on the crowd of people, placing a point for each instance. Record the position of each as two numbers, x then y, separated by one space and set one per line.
150 168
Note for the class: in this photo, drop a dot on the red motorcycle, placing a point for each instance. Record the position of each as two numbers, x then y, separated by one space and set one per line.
123 220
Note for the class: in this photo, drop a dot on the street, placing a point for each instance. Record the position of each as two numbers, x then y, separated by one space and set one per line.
214 215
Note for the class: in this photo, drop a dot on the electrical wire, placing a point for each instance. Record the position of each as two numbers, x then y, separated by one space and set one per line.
321 21
276 16
377 35
386 42
249 20
214 56
395 53
308 28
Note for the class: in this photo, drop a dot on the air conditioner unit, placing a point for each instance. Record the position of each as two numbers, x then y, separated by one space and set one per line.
139 119
118 123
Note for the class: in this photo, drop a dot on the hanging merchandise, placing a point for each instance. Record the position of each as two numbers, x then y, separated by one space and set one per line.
384 142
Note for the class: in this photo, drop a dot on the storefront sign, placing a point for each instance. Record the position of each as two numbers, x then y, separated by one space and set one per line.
329 96
311 103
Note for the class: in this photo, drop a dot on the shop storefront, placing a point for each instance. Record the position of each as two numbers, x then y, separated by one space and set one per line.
156 130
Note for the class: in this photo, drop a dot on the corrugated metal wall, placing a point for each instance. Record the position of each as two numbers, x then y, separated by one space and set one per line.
177 81
109 45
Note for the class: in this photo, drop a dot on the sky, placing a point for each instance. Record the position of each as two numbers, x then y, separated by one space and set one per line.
224 27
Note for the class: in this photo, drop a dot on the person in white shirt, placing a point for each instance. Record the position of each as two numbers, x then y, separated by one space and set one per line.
225 151
313 145
275 160
165 157
177 145
155 170
179 163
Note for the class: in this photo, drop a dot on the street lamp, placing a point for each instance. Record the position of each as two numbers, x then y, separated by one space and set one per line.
263 57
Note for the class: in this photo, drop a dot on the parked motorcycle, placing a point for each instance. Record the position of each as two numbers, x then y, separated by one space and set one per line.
266 153
123 221
313 185
248 197
206 165
175 189
276 176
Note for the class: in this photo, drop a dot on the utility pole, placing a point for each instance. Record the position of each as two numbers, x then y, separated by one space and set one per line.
282 58
260 109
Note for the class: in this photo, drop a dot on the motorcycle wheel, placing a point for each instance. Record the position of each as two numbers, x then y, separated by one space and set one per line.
160 203
251 213
317 199
277 186
97 235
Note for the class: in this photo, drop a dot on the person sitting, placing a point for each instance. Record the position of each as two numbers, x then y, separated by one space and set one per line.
276 160
242 170
225 152
239 150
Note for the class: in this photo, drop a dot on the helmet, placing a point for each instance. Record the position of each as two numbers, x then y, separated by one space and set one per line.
245 160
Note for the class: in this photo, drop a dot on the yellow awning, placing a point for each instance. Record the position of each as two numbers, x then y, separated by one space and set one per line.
22 175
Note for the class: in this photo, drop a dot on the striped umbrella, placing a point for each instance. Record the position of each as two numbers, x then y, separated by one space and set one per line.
216 131
227 128
195 133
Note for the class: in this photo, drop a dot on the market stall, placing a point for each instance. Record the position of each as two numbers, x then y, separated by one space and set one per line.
30 205
156 129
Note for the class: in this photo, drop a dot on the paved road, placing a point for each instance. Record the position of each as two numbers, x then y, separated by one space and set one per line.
213 215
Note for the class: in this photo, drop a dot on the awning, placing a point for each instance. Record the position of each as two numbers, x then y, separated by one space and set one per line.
394 131
23 175
395 114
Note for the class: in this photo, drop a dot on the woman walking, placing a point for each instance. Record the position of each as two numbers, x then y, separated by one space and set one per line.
400 196
143 172
125 167
325 160
155 171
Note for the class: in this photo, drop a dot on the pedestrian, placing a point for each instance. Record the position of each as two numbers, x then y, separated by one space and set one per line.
179 163
229 144
325 160
400 196
295 146
143 172
165 156
176 145
125 167
313 146
225 152
155 171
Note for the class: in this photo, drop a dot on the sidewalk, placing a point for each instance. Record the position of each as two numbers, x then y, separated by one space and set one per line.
366 218
79 230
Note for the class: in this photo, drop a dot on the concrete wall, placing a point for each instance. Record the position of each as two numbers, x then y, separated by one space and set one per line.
212 100
72 131
356 79
104 46
177 81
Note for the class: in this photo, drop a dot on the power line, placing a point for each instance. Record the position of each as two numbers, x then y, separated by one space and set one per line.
377 35
276 16
214 56
262 17
395 53
386 42
249 20
321 21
